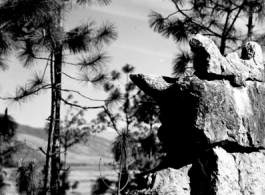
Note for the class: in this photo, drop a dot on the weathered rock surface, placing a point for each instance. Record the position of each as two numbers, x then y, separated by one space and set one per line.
213 121
209 62
210 103
169 181
229 173
217 172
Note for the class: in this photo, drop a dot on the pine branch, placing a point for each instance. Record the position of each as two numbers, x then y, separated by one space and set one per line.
77 92
97 81
184 14
91 2
37 80
95 61
3 63
180 63
80 38
121 146
68 63
114 98
22 93
106 34
79 106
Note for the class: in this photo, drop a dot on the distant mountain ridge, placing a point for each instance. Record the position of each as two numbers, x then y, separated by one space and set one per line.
89 154
38 132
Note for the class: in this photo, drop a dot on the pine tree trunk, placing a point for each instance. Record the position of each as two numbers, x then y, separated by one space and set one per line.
223 45
250 26
51 130
55 161
119 179
225 33
65 150
1 150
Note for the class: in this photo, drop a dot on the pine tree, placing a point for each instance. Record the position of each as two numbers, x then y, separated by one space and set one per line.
8 128
134 116
36 28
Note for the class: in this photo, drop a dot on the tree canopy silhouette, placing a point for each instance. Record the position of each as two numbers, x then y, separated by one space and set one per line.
8 126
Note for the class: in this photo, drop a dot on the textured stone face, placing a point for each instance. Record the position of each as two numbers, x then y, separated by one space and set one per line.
169 181
216 172
213 108
210 64
213 120
230 173
223 100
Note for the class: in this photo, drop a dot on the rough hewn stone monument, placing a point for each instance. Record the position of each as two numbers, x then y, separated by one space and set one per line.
213 124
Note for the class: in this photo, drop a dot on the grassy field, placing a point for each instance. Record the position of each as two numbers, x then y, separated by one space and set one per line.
85 175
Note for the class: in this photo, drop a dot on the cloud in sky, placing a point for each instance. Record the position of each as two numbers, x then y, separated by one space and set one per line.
136 9
144 51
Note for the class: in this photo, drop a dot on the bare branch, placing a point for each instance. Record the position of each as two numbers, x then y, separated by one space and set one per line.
103 178
71 77
184 14
77 92
112 120
83 107
128 179
235 18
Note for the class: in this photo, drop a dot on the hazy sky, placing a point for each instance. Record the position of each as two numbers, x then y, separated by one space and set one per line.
137 44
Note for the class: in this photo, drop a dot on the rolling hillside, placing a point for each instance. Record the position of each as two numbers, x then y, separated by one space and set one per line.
31 139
